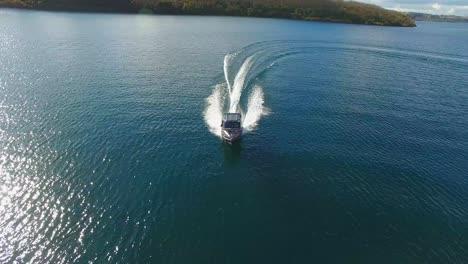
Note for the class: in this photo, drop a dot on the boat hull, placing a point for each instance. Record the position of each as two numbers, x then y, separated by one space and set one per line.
230 135
231 127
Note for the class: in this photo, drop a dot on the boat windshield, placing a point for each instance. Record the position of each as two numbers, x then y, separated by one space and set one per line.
231 125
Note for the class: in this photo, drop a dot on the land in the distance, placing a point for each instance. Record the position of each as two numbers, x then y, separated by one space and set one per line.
315 10
436 18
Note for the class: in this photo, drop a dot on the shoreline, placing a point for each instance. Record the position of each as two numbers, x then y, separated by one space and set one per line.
135 12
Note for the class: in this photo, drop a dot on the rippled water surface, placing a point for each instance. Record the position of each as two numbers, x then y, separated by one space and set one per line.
355 146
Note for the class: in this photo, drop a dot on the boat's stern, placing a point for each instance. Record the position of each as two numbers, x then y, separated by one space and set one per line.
231 127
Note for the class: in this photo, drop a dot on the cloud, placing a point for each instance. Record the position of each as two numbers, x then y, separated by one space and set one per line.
442 7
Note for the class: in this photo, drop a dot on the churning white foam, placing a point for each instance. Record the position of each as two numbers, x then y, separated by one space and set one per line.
227 62
214 110
238 85
215 103
255 109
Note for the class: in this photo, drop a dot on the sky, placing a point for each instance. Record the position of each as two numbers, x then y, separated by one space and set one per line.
439 7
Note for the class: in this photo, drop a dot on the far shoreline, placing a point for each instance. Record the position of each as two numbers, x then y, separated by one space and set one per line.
120 12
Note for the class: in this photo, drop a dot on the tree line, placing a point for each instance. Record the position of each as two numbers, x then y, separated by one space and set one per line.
319 10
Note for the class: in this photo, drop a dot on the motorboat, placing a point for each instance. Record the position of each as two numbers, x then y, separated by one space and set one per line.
231 127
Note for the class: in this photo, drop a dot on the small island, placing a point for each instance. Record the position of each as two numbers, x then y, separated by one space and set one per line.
313 10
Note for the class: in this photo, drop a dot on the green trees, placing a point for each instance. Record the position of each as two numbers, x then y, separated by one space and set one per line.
321 10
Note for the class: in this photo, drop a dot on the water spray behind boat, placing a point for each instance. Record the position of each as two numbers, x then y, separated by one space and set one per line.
224 114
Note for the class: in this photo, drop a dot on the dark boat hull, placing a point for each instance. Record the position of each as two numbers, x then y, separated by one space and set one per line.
230 135
231 127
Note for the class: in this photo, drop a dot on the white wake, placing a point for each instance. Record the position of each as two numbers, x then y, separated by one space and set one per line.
255 109
223 93
214 110
238 85
227 62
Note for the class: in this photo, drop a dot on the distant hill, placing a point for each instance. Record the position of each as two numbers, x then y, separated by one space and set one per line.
316 10
436 18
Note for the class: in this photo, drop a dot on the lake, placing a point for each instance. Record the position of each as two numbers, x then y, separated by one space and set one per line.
355 146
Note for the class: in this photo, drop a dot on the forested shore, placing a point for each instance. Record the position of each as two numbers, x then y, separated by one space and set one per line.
315 10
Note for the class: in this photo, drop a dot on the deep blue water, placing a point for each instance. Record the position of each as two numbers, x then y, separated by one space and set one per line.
357 152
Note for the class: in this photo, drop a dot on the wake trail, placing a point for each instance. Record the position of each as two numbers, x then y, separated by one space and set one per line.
227 96
238 85
250 62
214 110
255 109
227 61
